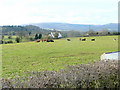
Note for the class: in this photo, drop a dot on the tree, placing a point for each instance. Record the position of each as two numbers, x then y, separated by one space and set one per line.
91 32
9 37
2 36
31 39
40 36
73 33
109 33
21 34
36 37
13 33
30 33
17 39
56 35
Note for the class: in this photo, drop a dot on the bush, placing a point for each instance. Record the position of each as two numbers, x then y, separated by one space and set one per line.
102 74
10 41
9 37
1 41
5 42
32 39
17 39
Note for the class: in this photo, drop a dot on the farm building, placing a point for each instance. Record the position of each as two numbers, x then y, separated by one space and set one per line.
55 35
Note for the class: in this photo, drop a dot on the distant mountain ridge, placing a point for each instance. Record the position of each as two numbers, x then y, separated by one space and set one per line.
77 27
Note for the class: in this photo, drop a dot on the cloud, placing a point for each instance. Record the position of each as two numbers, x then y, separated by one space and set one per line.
70 11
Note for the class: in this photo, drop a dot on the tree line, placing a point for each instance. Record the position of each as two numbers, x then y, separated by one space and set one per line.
32 30
31 33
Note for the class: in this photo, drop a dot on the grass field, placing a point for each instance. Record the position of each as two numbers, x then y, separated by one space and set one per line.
13 39
32 56
6 38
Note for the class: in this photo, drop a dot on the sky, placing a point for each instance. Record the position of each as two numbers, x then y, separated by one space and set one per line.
18 12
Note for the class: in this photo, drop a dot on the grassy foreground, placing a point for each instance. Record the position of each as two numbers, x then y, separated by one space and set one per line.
32 56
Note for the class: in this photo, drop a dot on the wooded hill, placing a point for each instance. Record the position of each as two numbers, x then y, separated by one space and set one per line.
30 29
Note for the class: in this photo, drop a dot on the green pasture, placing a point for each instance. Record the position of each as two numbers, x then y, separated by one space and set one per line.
13 39
19 58
6 38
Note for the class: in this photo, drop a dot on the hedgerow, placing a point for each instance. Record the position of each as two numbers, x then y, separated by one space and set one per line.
101 74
